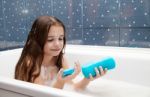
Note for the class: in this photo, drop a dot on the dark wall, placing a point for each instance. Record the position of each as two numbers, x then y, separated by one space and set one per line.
124 23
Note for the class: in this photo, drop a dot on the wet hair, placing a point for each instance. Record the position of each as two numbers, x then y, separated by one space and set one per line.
28 67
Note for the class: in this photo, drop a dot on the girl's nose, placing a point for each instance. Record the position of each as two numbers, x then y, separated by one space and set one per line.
57 43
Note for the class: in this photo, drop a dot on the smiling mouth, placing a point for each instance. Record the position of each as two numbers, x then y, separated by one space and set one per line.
55 49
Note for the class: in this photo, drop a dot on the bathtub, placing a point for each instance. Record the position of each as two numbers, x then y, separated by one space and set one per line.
129 78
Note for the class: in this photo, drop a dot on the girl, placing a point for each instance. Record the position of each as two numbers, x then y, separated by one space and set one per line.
42 60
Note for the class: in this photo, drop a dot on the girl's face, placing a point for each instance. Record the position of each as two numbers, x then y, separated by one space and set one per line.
55 41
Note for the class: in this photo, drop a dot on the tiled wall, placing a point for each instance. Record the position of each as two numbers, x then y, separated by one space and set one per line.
88 22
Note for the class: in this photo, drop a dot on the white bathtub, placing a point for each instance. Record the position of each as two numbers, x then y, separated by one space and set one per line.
129 78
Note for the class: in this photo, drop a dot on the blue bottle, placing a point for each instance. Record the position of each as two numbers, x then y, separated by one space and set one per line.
68 72
88 69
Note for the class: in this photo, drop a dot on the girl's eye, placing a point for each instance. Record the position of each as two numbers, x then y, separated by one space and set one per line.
50 40
61 38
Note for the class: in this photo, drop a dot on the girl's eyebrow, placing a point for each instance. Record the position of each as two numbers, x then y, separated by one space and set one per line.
56 36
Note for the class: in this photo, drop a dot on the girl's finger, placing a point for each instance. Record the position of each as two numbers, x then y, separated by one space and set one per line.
101 71
77 68
105 70
97 73
91 77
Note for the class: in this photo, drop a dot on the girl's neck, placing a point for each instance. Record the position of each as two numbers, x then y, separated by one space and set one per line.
48 61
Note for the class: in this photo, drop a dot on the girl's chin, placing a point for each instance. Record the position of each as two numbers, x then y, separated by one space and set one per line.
56 54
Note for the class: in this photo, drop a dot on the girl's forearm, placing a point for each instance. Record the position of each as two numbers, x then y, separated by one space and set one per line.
59 84
81 84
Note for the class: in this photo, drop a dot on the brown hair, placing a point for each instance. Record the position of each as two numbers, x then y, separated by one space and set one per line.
29 64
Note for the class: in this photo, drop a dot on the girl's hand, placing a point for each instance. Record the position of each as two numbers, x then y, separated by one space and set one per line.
85 81
77 70
98 73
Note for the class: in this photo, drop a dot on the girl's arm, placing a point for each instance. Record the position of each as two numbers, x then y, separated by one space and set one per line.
81 85
59 82
68 79
76 85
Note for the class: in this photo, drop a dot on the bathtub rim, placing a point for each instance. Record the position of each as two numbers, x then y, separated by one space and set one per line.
24 88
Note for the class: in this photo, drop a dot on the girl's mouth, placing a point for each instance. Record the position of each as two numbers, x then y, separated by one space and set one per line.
55 49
